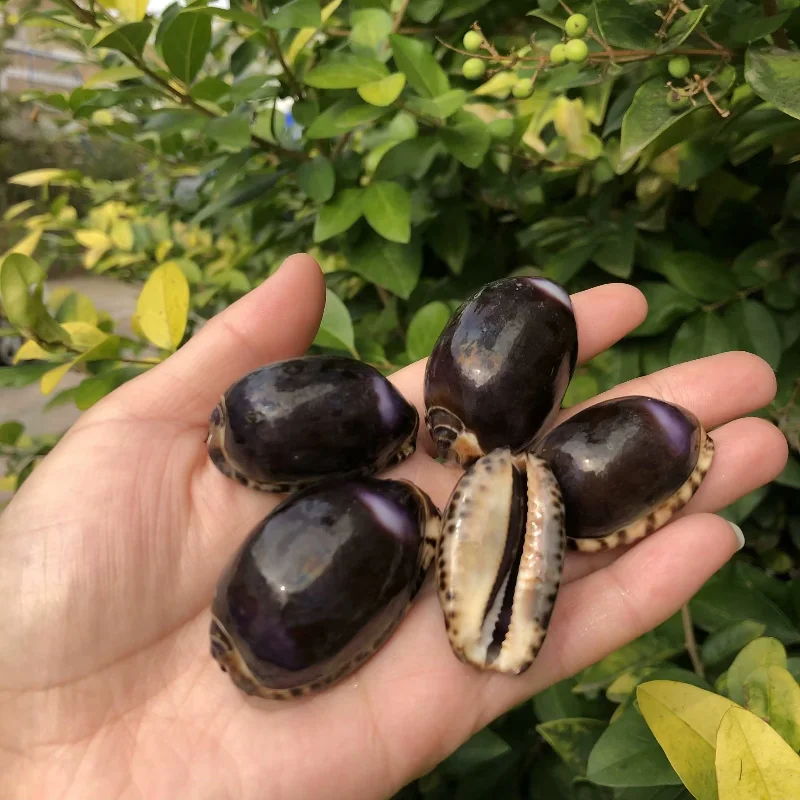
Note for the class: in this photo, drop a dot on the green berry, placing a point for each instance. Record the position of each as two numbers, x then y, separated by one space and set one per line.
677 101
473 69
726 77
522 88
679 66
558 55
472 41
576 26
502 128
576 51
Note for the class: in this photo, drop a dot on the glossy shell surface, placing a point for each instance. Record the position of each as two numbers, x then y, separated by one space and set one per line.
625 467
320 584
295 422
500 368
500 559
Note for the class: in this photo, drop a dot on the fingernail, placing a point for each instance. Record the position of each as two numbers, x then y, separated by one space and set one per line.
739 535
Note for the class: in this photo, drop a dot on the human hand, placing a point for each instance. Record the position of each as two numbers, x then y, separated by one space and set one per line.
110 552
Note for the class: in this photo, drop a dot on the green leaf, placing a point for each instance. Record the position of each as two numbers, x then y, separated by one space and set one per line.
370 29
623 24
231 131
336 328
757 330
128 39
725 643
383 92
698 275
163 306
317 179
726 599
758 653
343 116
627 754
93 389
185 45
10 432
684 720
752 761
23 374
413 157
441 107
791 474
424 10
665 305
112 75
651 648
573 740
449 236
479 751
775 75
615 253
339 215
387 208
703 334
393 266
559 701
346 72
681 29
415 61
18 305
647 118
468 142
424 329
460 8
296 14
773 695
756 27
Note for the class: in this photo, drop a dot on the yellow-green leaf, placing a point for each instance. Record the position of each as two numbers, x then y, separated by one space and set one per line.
18 208
305 35
759 653
338 215
17 302
94 240
31 351
773 695
37 177
684 719
27 245
163 306
383 92
122 234
112 75
753 762
498 85
162 250
75 307
52 378
130 10
84 336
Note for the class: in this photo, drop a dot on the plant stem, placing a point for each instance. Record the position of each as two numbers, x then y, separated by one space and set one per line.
398 17
691 642
291 78
770 9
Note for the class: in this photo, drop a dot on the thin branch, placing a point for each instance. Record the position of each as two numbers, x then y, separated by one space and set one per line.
341 144
398 17
704 36
770 9
297 89
691 641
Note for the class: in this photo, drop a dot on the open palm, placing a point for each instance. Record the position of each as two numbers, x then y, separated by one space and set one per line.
110 553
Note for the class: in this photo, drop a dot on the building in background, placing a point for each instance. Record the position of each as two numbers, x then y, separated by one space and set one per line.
30 62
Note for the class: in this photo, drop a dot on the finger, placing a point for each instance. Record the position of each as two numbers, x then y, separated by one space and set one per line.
604 611
748 453
604 315
276 320
717 389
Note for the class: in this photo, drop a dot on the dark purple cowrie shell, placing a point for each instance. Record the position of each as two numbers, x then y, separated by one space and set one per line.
295 422
321 584
499 560
499 371
625 467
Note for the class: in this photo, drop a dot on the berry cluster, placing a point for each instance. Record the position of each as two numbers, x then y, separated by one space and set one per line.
475 68
575 50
